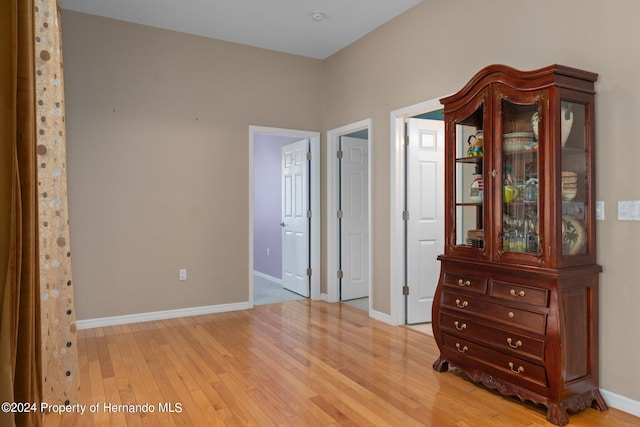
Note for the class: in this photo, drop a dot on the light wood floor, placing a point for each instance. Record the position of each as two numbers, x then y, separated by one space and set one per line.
289 364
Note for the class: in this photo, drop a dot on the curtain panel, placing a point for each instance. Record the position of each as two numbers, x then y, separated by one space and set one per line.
58 325
20 356
38 359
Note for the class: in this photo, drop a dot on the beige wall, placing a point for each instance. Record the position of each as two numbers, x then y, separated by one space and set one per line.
434 49
147 180
158 131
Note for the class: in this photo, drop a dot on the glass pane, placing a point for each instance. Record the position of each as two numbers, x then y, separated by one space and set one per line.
469 181
574 178
520 162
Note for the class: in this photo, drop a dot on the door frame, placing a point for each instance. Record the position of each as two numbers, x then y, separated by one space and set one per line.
314 202
398 185
332 182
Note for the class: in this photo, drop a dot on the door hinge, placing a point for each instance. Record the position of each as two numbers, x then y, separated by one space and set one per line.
340 213
309 271
340 274
309 155
405 290
406 140
340 154
405 216
309 213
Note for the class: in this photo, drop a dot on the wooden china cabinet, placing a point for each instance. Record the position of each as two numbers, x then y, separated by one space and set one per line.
516 307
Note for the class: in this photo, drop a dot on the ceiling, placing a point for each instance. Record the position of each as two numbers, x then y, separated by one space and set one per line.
281 25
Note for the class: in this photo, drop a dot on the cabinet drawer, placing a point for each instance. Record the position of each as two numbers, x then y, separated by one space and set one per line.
510 368
519 293
466 282
468 328
534 321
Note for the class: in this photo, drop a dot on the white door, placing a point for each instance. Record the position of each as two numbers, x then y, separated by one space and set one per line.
295 223
354 230
425 204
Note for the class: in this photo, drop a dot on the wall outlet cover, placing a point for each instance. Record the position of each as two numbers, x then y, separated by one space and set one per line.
600 210
629 210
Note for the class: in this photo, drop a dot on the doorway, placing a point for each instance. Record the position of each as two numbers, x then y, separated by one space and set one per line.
349 214
265 210
408 231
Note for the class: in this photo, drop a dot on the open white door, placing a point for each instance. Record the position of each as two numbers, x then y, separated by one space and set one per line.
425 204
295 222
354 230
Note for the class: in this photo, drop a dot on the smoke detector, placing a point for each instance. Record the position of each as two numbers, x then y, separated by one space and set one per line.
318 15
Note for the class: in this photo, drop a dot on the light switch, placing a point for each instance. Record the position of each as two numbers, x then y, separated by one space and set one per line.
629 210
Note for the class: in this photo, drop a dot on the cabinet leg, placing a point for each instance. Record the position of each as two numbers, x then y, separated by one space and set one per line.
441 365
598 402
557 415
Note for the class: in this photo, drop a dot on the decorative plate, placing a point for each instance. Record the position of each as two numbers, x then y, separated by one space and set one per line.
574 236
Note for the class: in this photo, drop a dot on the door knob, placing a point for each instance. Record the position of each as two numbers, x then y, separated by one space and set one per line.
282 224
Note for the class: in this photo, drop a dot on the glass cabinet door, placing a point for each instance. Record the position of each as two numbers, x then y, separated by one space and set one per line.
574 179
520 180
469 191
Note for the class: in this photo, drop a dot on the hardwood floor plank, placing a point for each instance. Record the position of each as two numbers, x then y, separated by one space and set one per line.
300 363
340 417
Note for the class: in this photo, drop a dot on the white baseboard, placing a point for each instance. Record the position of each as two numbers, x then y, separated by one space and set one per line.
326 298
160 315
621 403
267 277
383 317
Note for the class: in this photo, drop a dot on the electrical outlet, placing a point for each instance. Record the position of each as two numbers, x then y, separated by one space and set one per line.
182 274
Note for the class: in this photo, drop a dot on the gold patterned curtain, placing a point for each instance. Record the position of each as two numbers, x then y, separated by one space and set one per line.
20 359
38 357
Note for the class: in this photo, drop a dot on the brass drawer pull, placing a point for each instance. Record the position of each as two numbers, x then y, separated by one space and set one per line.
462 349
514 293
459 326
514 345
462 304
511 314
464 282
519 371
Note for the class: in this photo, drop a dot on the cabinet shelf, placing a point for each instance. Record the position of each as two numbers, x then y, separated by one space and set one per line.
522 152
520 203
471 160
572 152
